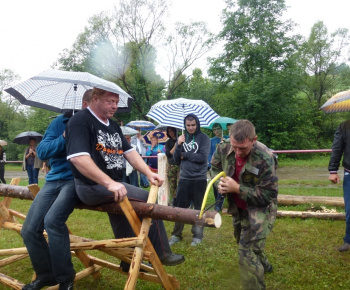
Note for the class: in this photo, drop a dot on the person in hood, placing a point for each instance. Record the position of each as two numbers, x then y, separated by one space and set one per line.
191 153
173 169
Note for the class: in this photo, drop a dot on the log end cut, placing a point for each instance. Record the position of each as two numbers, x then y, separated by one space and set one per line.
213 221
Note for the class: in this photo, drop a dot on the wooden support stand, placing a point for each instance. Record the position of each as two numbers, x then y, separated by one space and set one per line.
132 250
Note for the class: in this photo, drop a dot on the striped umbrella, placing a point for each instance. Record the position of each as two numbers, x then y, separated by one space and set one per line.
172 112
340 102
141 124
60 91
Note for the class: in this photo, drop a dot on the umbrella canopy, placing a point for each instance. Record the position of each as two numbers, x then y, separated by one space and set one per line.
172 112
340 102
223 121
128 130
3 142
141 124
60 91
24 137
162 137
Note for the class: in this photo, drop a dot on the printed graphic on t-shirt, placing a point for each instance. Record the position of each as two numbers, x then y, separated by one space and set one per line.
192 146
110 148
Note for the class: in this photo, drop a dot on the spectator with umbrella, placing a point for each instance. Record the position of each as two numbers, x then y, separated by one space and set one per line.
2 164
31 162
217 130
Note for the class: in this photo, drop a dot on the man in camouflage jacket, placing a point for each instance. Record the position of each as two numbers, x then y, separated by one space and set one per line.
251 188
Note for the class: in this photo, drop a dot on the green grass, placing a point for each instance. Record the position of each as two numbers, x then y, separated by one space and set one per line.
304 253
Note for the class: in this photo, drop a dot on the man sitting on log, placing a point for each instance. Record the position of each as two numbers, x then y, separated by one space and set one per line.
50 211
251 189
96 148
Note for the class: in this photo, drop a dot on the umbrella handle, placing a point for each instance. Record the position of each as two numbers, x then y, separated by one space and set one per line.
222 173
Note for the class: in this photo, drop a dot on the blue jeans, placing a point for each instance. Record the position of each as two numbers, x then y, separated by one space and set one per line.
50 210
132 179
143 180
346 191
33 174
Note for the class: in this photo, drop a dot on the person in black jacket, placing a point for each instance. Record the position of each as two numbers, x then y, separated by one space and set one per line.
173 169
191 152
341 148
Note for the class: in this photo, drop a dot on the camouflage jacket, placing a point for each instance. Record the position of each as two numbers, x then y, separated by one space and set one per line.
258 184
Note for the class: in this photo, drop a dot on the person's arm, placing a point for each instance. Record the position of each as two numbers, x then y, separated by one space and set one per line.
136 161
337 152
86 166
53 142
216 163
178 150
26 154
211 152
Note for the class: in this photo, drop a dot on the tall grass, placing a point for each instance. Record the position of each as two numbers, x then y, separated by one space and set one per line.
304 253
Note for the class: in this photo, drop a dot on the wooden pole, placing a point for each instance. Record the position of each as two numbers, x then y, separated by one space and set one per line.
306 214
284 199
143 210
161 212
163 191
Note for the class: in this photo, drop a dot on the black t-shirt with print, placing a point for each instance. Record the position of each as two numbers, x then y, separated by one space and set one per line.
86 134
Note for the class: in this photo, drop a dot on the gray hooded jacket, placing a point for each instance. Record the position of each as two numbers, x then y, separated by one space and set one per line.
194 153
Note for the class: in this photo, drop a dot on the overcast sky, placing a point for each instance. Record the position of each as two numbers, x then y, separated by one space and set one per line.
34 32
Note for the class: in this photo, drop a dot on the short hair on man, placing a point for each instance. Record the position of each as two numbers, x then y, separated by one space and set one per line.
189 118
96 92
242 130
217 126
87 96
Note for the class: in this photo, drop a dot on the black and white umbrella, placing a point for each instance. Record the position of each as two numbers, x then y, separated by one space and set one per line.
24 137
172 112
60 91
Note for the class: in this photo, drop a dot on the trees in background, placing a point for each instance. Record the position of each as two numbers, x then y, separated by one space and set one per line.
259 68
265 73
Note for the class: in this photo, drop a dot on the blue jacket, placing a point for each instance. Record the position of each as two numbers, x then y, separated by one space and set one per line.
53 148
213 143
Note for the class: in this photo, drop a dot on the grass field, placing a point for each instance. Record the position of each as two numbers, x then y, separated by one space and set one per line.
304 253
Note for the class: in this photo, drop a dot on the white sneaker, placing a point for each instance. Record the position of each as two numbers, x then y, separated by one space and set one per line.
174 240
196 242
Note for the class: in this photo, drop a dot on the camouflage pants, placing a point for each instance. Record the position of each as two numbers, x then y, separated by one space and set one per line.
173 179
252 258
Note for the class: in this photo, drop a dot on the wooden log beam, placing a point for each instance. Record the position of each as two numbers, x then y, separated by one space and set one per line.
16 191
10 260
102 244
306 214
162 212
10 282
143 210
284 199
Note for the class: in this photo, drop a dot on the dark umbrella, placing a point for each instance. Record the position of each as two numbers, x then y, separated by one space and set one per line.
24 137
